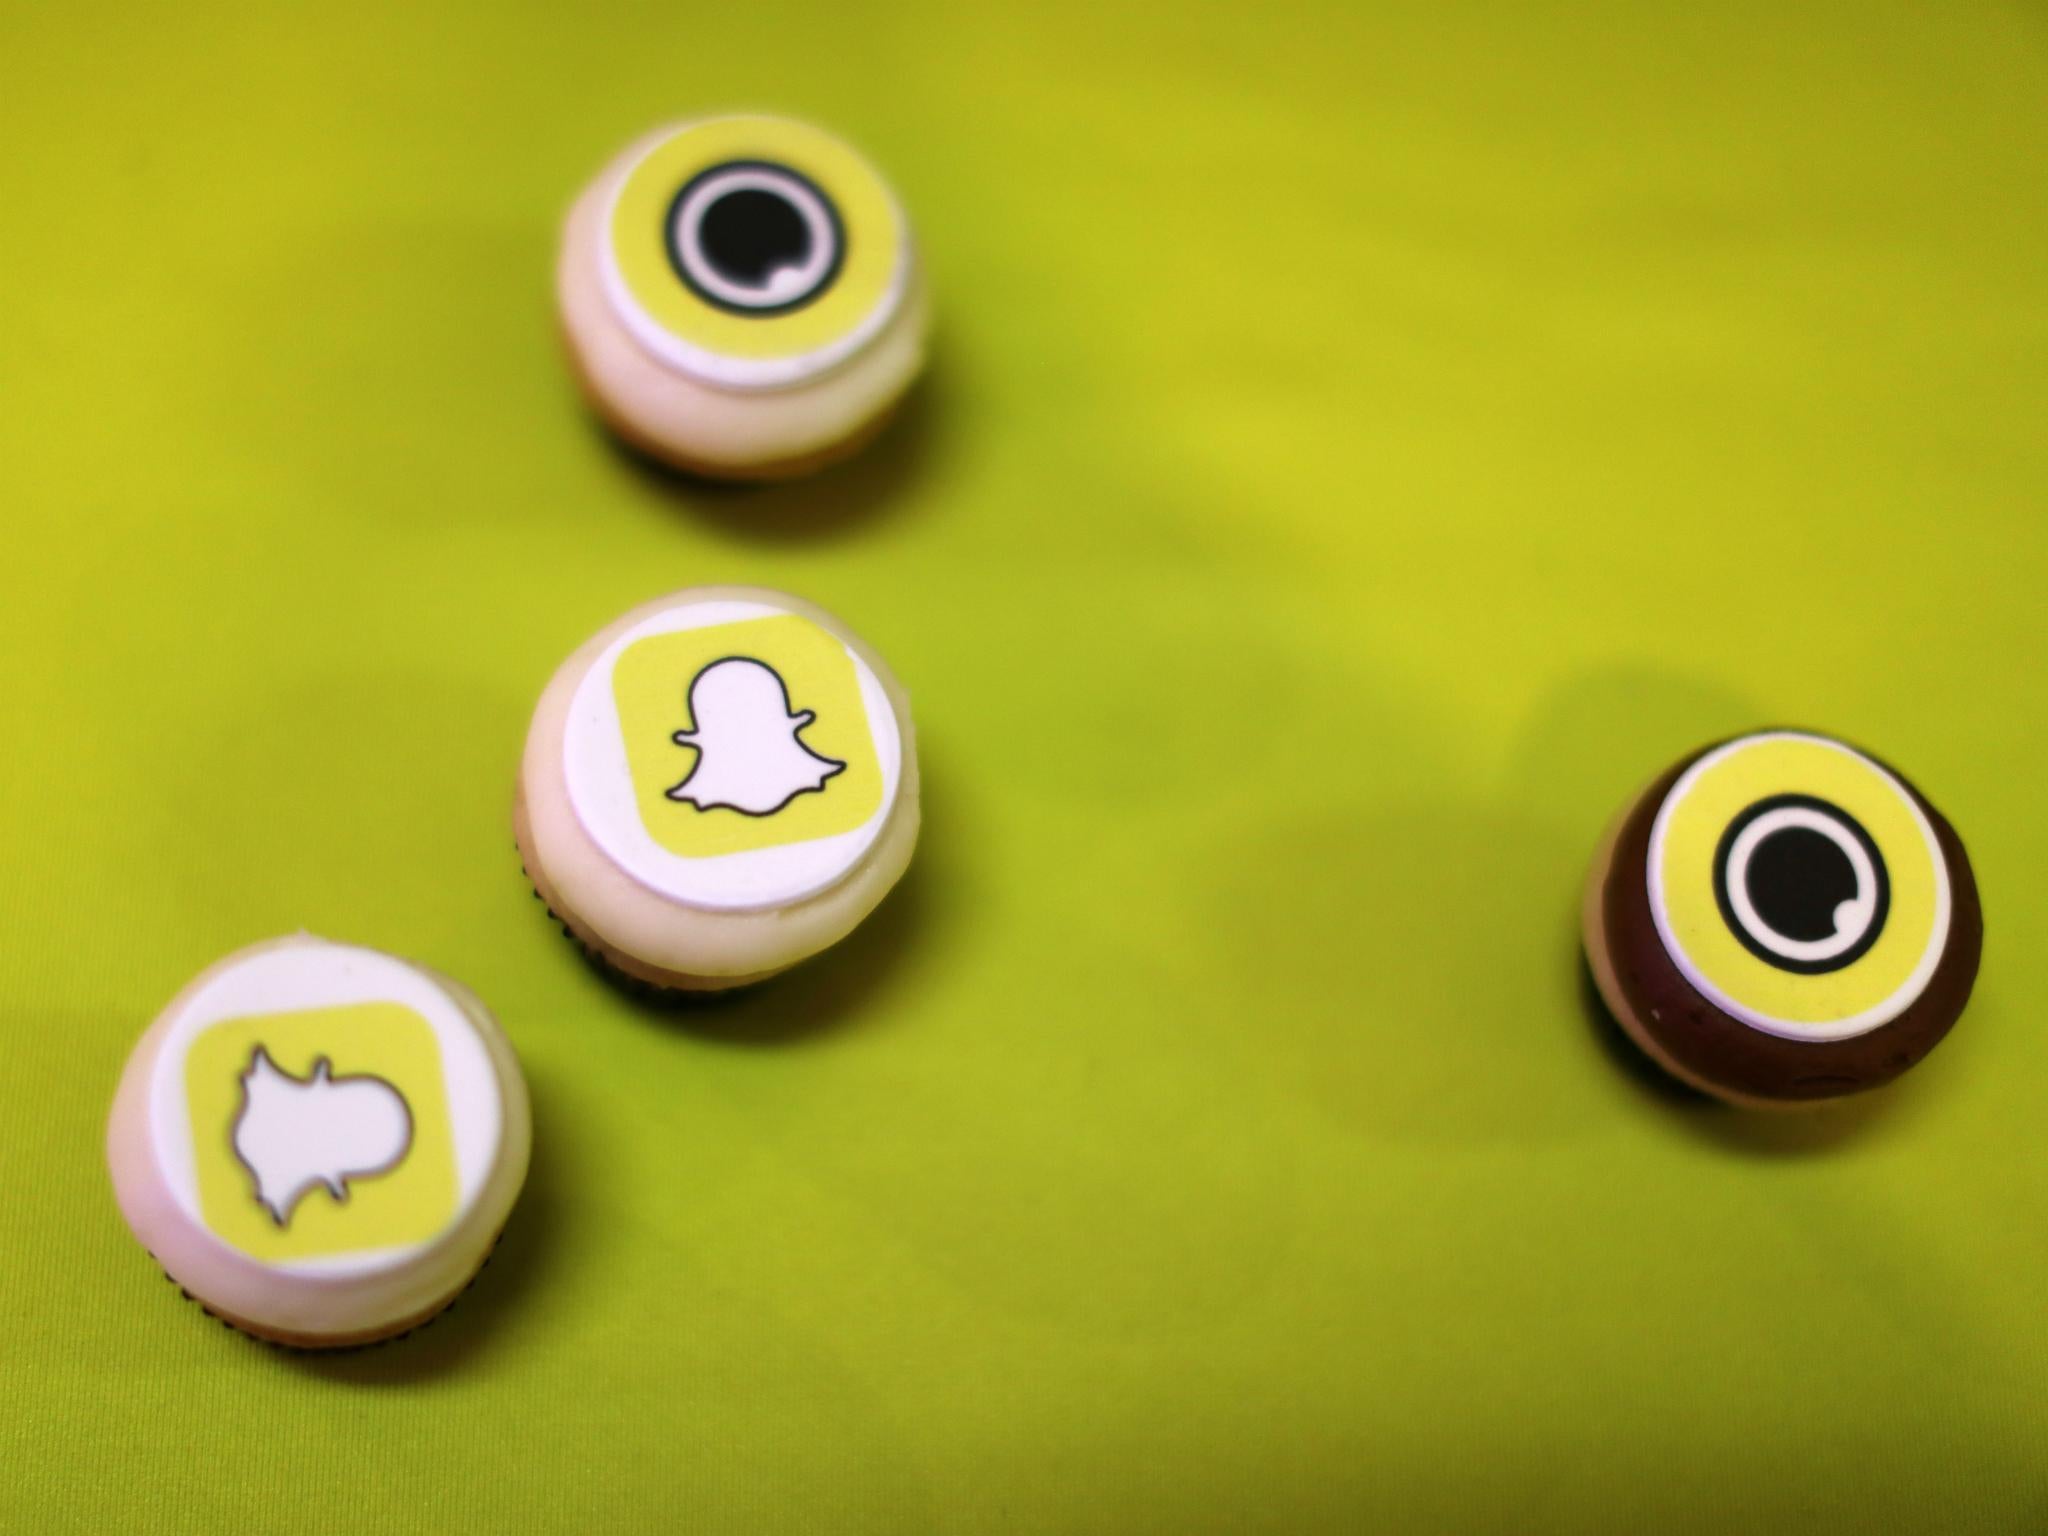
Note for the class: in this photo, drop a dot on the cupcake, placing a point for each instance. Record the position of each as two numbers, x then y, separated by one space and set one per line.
740 297
1781 919
715 786
320 1143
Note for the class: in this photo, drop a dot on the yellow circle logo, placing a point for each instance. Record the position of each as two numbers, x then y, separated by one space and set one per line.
1799 886
754 252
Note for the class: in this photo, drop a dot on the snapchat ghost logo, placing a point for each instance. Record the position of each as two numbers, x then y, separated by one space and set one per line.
783 736
321 1131
296 1136
751 757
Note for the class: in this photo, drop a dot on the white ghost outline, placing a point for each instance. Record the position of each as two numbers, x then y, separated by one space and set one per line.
325 1087
779 755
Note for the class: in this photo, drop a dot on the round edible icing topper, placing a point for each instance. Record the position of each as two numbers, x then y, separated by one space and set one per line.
731 754
1799 886
716 786
320 1141
1783 919
753 252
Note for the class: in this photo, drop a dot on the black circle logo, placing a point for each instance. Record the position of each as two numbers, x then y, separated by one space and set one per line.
752 237
1801 884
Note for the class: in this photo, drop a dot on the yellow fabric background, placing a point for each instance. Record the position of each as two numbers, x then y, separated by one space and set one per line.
1365 442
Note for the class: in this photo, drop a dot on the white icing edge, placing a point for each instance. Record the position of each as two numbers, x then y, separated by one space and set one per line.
739 373
601 791
1792 1029
337 1295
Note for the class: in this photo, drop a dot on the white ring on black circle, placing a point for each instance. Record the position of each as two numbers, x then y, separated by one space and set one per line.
792 287
722 370
1854 918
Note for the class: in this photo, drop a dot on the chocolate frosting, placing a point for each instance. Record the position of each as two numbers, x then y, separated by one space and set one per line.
1722 1050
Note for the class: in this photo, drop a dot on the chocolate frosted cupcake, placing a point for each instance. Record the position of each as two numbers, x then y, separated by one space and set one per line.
1780 920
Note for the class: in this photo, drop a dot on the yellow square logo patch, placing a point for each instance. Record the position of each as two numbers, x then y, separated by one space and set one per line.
321 1131
746 735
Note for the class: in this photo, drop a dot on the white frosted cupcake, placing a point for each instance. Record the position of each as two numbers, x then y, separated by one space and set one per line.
740 297
320 1142
715 786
